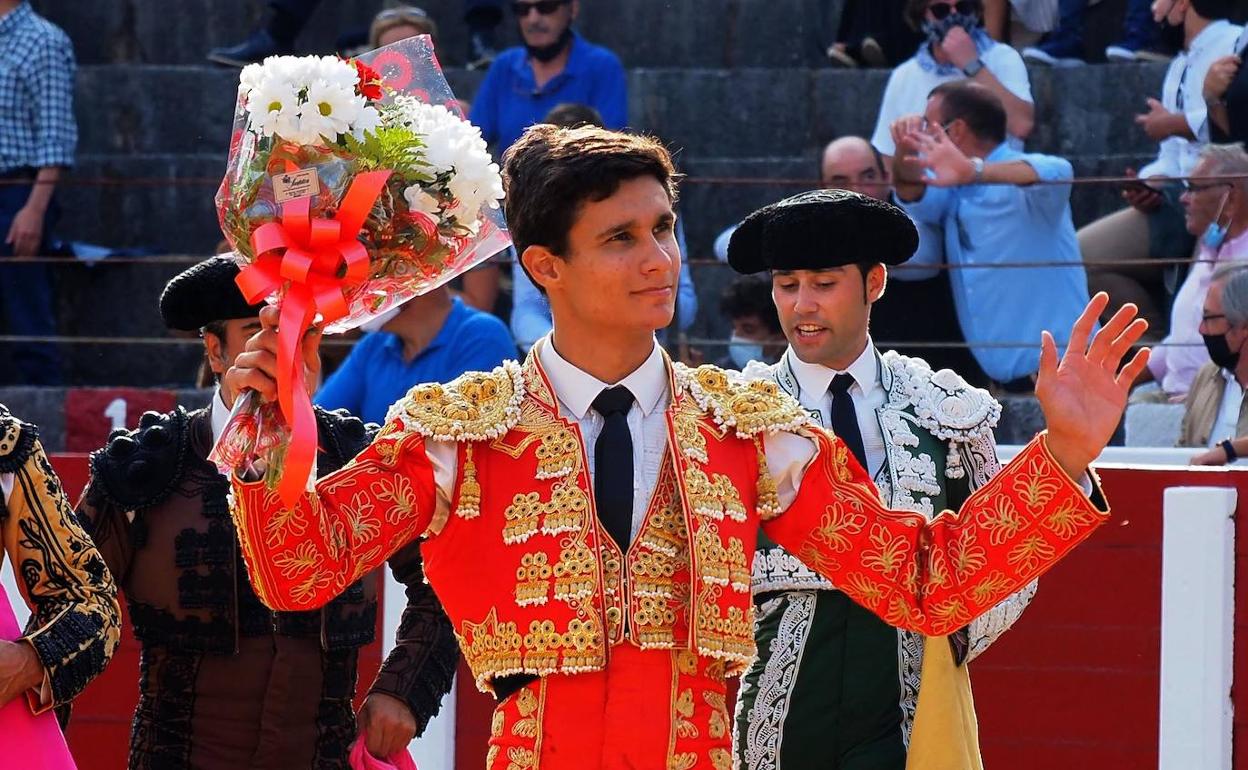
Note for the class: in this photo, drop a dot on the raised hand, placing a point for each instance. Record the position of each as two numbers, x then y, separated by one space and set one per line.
948 166
1083 396
256 367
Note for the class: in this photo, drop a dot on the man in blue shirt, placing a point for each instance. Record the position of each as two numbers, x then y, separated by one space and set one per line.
555 65
953 167
432 338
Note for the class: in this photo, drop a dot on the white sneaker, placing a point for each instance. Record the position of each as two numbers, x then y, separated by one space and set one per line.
1040 56
1118 53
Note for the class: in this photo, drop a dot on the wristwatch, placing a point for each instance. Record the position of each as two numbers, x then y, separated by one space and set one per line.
972 69
978 165
1229 448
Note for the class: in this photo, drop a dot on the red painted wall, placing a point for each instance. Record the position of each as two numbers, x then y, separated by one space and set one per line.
99 730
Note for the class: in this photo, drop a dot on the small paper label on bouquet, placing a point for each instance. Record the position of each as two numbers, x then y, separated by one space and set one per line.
293 185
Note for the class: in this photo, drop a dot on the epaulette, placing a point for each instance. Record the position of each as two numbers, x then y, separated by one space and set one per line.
747 405
341 437
476 406
947 406
140 468
17 440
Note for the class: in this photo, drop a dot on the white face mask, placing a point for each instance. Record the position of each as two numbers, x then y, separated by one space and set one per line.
375 324
742 351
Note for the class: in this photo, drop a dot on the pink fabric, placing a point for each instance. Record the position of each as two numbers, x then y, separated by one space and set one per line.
360 759
30 742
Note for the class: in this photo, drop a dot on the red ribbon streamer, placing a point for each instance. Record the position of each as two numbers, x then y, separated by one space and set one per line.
316 259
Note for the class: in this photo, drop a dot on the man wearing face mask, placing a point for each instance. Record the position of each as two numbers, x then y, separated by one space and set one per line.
554 66
1217 214
1214 412
833 687
432 338
756 332
956 47
226 682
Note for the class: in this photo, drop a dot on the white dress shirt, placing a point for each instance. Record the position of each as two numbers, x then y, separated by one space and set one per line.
6 486
1225 425
219 414
1183 92
787 454
867 393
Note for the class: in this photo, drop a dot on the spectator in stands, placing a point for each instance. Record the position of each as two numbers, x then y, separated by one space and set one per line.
873 33
918 305
756 331
1063 47
1214 413
530 314
38 136
1226 95
432 338
287 18
955 167
555 65
1217 213
956 47
400 23
1117 247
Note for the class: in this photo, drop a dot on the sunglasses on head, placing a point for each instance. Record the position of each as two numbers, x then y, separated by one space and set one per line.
544 7
942 10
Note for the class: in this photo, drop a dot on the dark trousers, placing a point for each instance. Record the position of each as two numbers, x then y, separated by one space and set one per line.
1138 29
26 295
882 20
483 13
289 18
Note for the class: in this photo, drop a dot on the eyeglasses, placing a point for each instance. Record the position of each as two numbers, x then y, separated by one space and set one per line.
1195 187
942 10
544 7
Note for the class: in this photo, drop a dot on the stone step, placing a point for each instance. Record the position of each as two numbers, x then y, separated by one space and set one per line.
748 112
688 33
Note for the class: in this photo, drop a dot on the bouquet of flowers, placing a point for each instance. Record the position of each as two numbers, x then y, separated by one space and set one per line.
351 187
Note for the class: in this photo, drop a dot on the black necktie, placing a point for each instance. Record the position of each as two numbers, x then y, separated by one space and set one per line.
613 464
845 419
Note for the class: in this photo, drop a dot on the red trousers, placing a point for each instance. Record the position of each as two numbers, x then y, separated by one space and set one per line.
649 710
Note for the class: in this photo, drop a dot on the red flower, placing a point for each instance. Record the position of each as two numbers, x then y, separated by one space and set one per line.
370 81
396 70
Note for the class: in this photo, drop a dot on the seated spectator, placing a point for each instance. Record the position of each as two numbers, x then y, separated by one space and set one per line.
1226 95
918 305
1117 247
1217 212
873 33
954 167
956 47
400 23
554 66
530 314
1063 47
431 338
756 331
1214 410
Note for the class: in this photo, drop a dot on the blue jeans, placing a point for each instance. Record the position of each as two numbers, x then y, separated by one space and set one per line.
26 296
1138 28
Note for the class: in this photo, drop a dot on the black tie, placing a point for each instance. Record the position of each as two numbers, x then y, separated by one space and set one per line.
845 419
613 464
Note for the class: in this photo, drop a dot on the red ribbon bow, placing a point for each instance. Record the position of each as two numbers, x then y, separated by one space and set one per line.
317 258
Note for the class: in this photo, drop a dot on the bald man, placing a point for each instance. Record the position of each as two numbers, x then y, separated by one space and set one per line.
918 306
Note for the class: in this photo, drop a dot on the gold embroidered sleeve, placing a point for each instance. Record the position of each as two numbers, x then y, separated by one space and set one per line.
935 577
75 623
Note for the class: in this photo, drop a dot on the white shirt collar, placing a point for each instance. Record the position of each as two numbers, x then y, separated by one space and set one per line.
1208 35
220 414
578 389
817 378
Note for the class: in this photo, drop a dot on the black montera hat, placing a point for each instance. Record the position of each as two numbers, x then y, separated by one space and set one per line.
820 229
204 293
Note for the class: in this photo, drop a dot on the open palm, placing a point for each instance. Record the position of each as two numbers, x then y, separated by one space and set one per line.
1084 394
